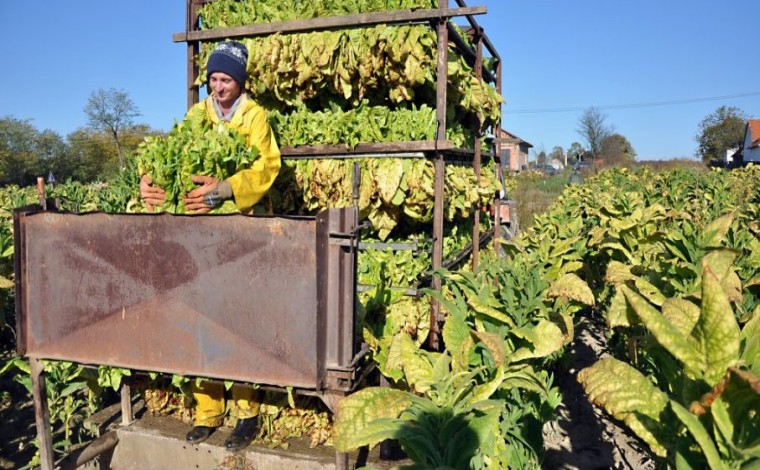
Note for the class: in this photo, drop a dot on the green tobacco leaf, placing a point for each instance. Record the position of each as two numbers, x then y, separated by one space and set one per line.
571 287
525 378
750 342
724 427
630 397
368 417
739 404
441 367
665 332
456 332
700 434
682 314
487 425
489 311
717 332
485 391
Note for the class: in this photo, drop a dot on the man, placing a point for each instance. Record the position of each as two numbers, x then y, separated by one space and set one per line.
227 105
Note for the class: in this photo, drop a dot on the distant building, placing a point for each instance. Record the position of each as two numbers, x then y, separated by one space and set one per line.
514 150
750 152
731 154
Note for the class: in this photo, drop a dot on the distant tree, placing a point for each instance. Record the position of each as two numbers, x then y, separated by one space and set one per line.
617 150
557 153
592 126
541 157
720 131
111 111
93 154
53 156
574 152
539 154
24 151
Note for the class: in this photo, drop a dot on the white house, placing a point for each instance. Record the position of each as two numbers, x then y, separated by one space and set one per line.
751 149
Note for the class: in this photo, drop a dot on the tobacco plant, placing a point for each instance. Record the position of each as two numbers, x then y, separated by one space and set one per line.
705 411
482 401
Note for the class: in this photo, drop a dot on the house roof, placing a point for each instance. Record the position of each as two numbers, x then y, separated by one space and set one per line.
753 127
505 134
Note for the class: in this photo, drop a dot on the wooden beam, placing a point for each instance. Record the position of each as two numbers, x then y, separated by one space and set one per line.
469 54
378 147
360 20
41 414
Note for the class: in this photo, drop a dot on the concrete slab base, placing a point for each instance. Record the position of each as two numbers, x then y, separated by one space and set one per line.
154 442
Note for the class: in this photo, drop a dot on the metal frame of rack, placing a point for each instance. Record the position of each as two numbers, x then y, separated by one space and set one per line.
439 150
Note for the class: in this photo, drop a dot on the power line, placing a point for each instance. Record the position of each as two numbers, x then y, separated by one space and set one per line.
631 105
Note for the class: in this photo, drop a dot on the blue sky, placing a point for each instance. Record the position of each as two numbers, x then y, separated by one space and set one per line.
626 57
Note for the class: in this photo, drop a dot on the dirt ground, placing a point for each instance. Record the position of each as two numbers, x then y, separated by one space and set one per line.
583 437
17 429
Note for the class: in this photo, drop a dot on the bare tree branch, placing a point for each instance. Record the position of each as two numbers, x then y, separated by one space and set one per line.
111 111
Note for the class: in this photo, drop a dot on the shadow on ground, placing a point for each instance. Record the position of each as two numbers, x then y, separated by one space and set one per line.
584 437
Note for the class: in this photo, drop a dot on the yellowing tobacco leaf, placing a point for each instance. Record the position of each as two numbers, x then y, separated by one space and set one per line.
6 283
359 420
388 178
714 233
682 314
618 273
405 355
546 338
721 263
627 394
717 332
619 313
571 287
650 291
665 332
494 344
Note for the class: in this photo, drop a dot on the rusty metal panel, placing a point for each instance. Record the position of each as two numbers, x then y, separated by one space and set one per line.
229 297
337 247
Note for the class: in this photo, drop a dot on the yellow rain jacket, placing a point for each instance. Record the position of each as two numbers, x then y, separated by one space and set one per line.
250 120
248 187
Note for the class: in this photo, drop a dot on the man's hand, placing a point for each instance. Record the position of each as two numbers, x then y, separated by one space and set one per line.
209 195
151 195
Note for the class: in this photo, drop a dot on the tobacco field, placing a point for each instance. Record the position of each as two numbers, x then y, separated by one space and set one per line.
668 262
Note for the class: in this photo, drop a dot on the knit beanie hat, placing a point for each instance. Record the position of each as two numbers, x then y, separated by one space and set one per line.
230 58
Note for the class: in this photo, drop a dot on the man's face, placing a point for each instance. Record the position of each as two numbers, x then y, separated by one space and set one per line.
225 88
